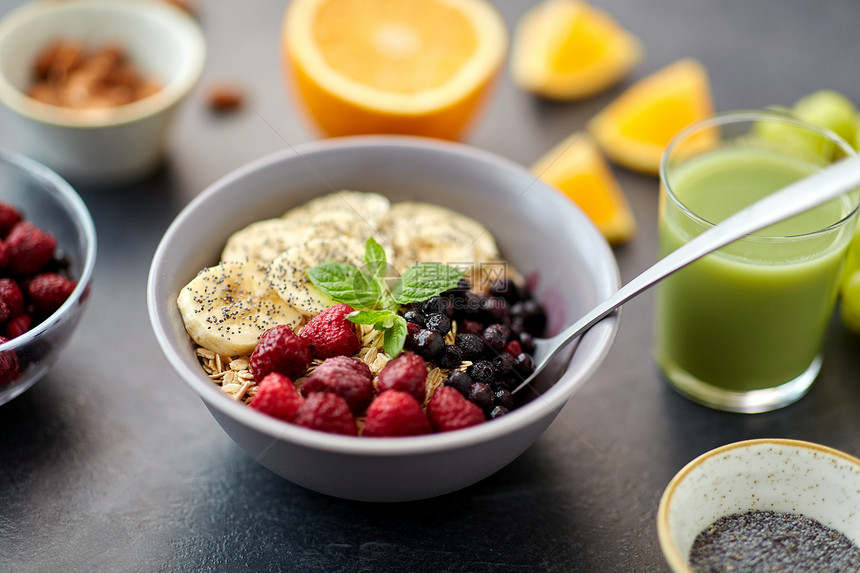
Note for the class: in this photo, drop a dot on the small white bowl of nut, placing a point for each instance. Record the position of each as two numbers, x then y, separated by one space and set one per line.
94 83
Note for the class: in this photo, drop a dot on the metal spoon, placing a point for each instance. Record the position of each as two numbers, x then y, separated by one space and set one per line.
795 198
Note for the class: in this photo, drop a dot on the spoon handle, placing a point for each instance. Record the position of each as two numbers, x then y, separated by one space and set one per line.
795 198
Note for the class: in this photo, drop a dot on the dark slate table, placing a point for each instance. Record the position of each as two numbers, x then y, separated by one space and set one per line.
111 464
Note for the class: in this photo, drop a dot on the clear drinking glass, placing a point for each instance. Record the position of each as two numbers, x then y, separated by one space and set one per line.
742 328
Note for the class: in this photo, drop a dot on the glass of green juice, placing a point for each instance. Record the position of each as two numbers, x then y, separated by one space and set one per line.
742 328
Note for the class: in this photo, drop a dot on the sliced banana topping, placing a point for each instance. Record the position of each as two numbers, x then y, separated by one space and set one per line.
264 241
227 307
367 207
288 273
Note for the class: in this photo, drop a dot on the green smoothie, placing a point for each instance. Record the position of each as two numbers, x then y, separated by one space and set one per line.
753 314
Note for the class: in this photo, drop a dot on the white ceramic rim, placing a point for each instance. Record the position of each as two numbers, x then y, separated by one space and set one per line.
548 404
128 113
81 216
680 563
489 56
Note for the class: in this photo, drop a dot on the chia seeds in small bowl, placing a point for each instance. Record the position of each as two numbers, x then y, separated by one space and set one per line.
763 505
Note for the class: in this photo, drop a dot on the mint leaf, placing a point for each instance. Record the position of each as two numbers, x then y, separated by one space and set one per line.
375 260
424 280
345 283
369 316
395 337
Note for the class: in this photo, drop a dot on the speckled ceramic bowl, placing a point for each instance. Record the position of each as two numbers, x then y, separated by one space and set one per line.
787 476
542 233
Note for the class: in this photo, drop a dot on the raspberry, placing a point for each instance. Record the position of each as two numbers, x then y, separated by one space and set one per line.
277 396
395 413
5 313
407 373
280 350
30 248
48 291
11 294
329 334
326 412
349 378
18 326
9 217
449 410
8 364
5 254
470 327
514 348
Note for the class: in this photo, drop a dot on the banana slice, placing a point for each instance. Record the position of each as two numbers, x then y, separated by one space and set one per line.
430 233
288 273
264 241
227 307
368 207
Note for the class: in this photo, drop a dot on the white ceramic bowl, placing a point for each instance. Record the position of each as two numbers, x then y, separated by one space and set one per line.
128 141
788 476
538 231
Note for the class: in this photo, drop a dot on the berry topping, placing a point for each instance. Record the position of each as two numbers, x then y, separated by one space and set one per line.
450 358
30 248
277 396
9 217
498 411
438 304
326 412
415 317
330 334
527 342
471 327
348 377
524 365
438 322
471 345
482 396
504 399
506 289
495 337
406 373
503 364
48 291
8 364
395 413
428 343
460 381
18 326
449 410
279 349
482 371
514 348
11 294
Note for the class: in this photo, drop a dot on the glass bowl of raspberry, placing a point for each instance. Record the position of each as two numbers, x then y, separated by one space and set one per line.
47 255
568 266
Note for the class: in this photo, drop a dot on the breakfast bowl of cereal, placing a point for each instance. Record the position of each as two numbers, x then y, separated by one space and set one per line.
357 313
47 257
93 84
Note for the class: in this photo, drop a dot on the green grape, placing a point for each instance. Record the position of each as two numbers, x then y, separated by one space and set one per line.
851 303
794 140
830 110
852 262
857 132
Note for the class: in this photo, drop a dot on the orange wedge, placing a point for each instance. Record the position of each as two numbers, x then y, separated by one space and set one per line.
577 168
634 129
566 50
420 67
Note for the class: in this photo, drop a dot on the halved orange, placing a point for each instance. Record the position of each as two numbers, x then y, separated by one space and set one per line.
635 128
566 50
577 168
420 67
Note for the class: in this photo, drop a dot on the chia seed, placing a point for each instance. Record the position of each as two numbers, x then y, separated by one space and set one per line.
770 541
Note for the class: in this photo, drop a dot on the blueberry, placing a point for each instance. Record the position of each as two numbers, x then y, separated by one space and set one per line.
503 365
527 342
470 327
506 289
495 337
482 396
438 322
438 304
471 307
497 412
427 343
481 371
498 310
534 317
450 358
518 325
460 381
504 399
415 317
471 345
524 365
458 292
